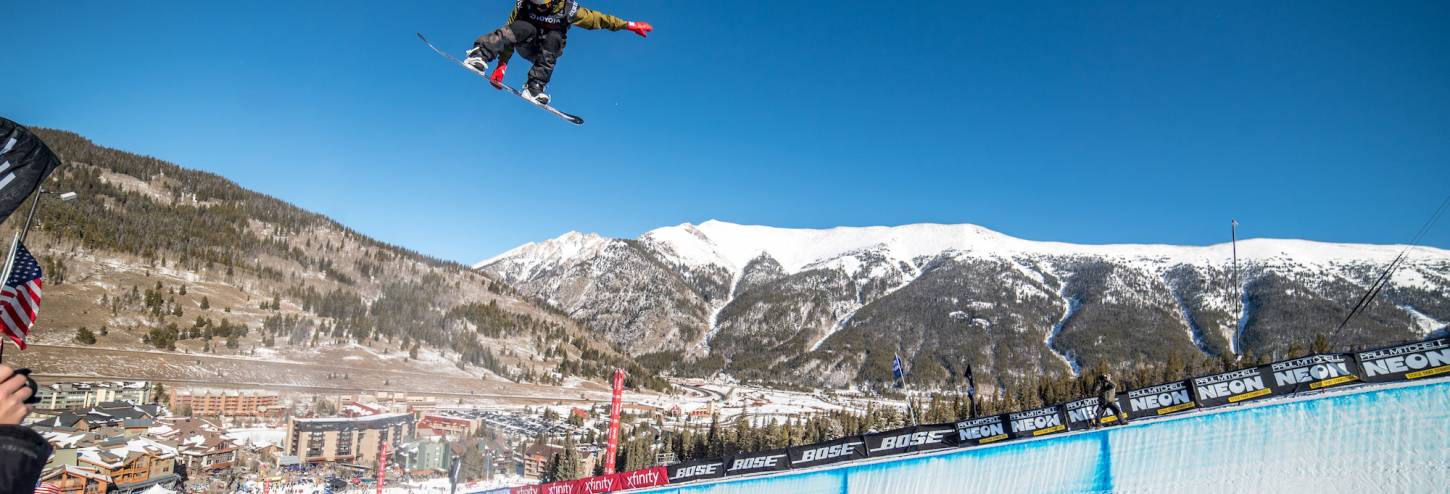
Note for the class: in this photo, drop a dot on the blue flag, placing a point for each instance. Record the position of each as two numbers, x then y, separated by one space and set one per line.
897 371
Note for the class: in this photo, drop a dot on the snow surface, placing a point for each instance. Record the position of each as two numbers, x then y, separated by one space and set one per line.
1397 438
558 251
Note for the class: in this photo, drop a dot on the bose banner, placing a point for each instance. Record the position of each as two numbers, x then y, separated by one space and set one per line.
763 461
1036 423
1312 373
25 161
1153 401
1425 359
983 430
1082 413
910 439
825 453
696 470
1234 387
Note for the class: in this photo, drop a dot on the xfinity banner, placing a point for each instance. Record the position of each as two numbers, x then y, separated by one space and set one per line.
696 470
24 164
1037 423
565 487
910 439
647 477
764 461
597 485
1153 401
1430 358
1312 373
1082 413
825 453
979 431
1233 387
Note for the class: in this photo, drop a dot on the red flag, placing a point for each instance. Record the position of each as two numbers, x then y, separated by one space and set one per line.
614 406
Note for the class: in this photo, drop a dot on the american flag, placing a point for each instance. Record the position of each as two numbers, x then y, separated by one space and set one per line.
47 488
20 298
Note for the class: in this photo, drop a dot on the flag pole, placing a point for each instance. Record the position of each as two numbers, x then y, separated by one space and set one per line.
14 244
39 191
9 264
910 408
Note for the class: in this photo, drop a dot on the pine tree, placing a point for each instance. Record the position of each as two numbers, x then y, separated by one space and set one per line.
714 444
85 336
551 470
569 462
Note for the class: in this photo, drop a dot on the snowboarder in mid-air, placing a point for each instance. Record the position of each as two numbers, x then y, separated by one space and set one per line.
538 30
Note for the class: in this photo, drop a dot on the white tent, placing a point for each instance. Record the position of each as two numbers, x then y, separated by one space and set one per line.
157 489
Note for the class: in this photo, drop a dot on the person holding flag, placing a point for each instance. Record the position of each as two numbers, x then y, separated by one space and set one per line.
23 452
1107 392
25 163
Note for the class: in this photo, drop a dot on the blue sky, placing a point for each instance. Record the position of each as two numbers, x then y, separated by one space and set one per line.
1094 122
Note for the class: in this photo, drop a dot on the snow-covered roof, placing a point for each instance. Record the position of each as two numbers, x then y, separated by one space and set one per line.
322 420
84 472
63 439
115 457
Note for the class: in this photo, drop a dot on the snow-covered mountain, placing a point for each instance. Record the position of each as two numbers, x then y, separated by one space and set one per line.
830 306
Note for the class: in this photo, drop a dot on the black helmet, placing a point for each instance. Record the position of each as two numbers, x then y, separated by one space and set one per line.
1103 376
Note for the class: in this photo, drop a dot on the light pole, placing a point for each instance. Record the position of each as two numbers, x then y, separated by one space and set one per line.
1238 290
64 197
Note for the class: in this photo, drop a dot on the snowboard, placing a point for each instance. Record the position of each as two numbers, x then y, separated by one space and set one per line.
574 119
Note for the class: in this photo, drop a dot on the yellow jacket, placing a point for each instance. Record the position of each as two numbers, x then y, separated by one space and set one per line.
585 18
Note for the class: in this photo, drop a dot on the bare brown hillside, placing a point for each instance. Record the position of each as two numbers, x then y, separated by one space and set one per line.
163 261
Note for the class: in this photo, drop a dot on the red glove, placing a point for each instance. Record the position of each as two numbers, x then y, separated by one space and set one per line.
497 77
640 27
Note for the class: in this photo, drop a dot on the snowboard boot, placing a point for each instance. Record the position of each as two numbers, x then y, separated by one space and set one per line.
475 61
534 91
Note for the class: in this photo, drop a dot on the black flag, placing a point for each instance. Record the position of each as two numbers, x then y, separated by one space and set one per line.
971 392
971 383
24 164
453 474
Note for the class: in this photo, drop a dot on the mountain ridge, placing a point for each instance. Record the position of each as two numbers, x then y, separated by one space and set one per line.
759 300
1248 249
